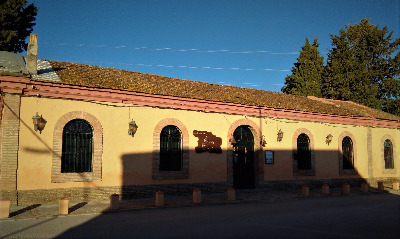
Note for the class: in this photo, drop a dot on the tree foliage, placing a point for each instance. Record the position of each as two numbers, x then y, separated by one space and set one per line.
307 72
16 23
362 67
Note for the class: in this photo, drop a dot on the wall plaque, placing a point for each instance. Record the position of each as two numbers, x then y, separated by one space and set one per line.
207 142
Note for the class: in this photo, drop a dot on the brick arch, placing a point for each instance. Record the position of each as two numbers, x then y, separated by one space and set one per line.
390 170
340 140
96 174
157 174
258 162
255 130
296 134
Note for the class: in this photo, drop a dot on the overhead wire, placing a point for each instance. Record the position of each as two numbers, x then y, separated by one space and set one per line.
192 67
265 52
176 49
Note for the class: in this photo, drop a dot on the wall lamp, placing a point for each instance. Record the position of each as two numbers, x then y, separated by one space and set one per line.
329 139
263 141
280 135
132 128
38 122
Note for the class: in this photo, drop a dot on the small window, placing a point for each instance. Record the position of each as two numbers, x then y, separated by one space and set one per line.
388 154
170 149
77 147
303 152
347 153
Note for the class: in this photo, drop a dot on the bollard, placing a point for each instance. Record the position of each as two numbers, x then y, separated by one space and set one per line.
396 185
159 199
63 206
346 188
380 186
364 187
4 208
325 189
305 191
114 201
231 194
196 195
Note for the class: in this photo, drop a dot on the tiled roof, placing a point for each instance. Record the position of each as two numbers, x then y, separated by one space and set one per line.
111 78
45 71
15 64
12 62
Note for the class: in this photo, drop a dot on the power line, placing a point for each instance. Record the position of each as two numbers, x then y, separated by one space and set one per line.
198 67
191 67
174 49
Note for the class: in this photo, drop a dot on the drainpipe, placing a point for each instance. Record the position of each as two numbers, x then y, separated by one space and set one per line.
260 171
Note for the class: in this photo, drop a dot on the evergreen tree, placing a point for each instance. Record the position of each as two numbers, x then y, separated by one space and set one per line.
362 67
307 72
16 22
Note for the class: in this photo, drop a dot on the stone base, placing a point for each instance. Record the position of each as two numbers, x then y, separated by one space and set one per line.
29 197
333 183
12 195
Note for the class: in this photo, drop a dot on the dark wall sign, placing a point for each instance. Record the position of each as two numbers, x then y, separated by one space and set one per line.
269 157
208 142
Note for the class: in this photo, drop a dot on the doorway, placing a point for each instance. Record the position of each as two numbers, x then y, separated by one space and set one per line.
243 158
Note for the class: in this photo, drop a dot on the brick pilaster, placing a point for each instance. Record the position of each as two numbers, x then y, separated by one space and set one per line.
9 139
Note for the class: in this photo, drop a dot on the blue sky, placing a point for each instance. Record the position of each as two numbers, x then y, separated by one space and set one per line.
242 43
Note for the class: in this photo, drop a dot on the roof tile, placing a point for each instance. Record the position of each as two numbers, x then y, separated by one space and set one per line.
103 77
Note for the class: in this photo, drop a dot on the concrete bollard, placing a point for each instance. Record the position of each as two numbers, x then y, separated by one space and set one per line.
160 199
305 191
364 187
63 206
196 195
346 188
396 185
114 202
325 189
380 186
5 208
231 194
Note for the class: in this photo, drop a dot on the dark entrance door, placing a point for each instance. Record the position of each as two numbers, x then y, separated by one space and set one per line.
243 158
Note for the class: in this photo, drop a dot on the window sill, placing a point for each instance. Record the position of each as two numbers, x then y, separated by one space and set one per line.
171 175
74 177
389 171
348 172
310 172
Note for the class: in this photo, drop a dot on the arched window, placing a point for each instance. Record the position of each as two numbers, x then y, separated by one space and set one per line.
303 152
170 149
347 153
77 147
388 154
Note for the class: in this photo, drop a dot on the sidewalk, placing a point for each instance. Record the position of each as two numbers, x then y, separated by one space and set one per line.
247 195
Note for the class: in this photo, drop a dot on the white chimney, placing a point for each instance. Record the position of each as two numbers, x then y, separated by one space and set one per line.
31 58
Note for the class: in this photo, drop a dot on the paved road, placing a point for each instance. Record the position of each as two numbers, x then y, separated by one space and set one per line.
355 216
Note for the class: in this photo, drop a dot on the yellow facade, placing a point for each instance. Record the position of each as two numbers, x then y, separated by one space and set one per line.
127 160
241 125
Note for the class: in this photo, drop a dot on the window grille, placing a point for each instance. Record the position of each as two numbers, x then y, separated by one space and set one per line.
77 149
347 152
388 154
303 156
170 149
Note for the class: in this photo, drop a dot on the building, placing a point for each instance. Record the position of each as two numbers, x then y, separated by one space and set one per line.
87 132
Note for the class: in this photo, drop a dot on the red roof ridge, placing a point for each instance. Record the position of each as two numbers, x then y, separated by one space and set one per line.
323 100
331 101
